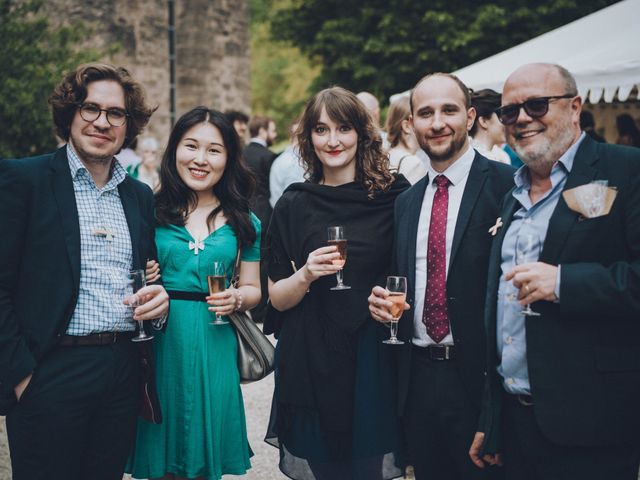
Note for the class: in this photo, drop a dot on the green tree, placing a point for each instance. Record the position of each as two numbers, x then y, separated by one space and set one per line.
33 57
281 76
384 46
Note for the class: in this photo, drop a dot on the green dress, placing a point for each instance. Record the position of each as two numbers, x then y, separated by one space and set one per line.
203 432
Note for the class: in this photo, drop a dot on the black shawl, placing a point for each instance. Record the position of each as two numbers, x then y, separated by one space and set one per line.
317 339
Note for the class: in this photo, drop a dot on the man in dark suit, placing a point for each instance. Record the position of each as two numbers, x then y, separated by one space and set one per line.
259 159
442 242
73 226
563 382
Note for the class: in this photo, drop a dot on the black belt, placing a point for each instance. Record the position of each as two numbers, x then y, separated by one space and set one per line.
104 338
193 296
437 352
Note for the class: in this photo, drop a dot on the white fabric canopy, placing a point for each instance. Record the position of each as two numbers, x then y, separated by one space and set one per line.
602 51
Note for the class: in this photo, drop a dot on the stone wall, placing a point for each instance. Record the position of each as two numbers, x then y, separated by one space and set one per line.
212 49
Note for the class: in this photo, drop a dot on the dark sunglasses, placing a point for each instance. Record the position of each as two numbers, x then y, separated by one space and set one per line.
535 108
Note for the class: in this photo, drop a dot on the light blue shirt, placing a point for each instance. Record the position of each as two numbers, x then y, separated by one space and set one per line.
105 252
534 219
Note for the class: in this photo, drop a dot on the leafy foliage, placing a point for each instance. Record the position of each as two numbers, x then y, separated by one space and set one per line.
34 58
280 75
386 46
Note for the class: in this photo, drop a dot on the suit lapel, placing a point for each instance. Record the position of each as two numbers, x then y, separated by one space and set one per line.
62 185
413 218
563 219
510 207
476 179
132 212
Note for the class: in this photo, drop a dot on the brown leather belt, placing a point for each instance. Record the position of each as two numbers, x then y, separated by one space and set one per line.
95 339
437 352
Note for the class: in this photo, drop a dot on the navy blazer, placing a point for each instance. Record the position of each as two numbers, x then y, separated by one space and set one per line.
583 353
486 185
40 257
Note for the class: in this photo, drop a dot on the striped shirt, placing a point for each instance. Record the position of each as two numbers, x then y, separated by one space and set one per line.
105 252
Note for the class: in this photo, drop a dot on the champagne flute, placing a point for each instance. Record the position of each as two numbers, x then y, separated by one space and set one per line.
217 283
335 236
528 248
135 281
397 287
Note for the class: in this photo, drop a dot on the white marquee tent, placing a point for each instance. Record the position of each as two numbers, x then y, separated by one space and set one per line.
602 51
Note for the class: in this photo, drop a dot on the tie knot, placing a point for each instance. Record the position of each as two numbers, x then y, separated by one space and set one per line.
441 181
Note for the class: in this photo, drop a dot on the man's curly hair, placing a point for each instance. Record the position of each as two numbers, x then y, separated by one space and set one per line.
72 91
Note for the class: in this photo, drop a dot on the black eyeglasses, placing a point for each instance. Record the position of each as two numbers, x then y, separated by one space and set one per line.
535 108
90 113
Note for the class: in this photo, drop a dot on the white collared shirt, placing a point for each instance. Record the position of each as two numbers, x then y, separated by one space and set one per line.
458 173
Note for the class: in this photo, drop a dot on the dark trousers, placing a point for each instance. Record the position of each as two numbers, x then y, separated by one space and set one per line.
440 423
529 455
77 417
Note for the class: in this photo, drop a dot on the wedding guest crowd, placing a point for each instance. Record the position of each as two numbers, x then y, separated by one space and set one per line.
517 345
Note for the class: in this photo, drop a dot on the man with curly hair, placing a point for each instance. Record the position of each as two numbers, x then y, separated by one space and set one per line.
74 224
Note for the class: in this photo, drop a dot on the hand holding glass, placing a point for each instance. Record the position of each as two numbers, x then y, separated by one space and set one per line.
527 250
135 281
397 287
335 236
217 284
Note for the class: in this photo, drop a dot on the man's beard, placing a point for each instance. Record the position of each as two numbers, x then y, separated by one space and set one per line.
454 147
542 158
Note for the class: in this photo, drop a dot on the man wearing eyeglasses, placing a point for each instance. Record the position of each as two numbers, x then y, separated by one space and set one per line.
73 225
564 380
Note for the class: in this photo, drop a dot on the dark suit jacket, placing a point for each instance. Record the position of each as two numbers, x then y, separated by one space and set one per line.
40 257
583 353
259 160
487 184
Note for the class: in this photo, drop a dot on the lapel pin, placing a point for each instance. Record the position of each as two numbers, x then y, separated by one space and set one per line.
494 230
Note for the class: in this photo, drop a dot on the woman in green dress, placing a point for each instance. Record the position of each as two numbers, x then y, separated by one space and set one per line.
203 217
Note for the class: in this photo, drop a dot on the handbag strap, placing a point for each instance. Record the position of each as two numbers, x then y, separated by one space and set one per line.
235 277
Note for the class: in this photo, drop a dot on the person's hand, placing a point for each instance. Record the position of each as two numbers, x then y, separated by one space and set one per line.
379 306
320 263
535 281
476 448
22 386
226 302
153 303
152 271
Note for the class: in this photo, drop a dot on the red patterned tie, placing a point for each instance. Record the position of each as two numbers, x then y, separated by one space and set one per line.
435 315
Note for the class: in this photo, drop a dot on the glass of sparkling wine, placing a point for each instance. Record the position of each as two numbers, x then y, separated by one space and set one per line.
397 287
217 283
135 281
335 236
528 248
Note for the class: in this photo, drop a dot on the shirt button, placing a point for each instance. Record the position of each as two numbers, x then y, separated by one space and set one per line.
510 381
527 221
508 340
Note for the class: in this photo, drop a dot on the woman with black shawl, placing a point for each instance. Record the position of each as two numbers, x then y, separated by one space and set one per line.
333 414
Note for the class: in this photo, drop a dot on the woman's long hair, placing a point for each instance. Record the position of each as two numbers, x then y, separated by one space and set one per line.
343 107
174 200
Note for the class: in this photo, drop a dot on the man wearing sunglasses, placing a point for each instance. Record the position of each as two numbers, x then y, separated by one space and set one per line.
563 383
73 226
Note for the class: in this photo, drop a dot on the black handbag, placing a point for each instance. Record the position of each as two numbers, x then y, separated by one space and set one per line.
256 353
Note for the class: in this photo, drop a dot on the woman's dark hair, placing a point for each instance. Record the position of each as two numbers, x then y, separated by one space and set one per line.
72 91
486 102
174 200
343 107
